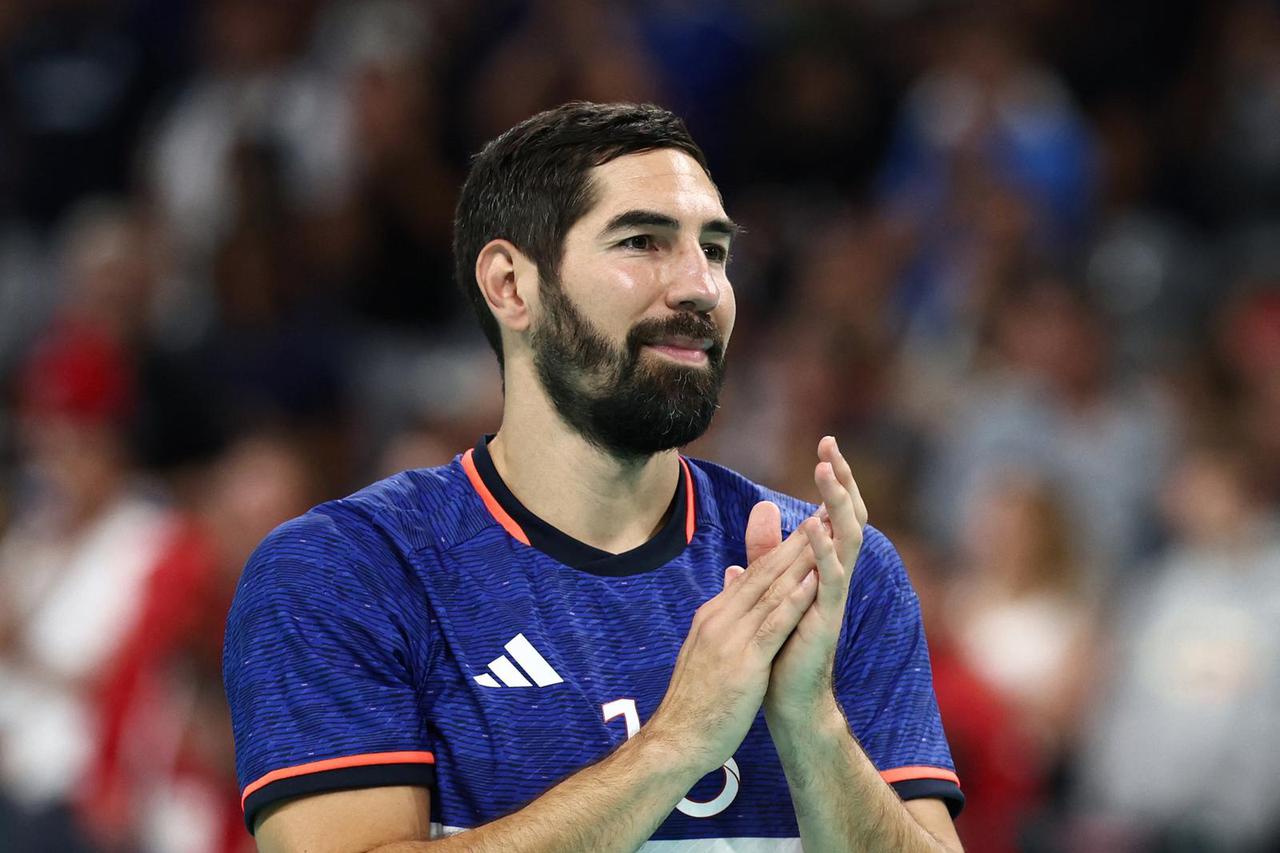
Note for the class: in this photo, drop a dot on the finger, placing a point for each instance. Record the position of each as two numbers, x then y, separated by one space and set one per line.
823 516
732 573
833 573
760 575
829 451
786 582
845 526
795 571
764 530
782 620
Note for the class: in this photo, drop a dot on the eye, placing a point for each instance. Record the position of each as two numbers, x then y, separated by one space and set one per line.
715 252
641 242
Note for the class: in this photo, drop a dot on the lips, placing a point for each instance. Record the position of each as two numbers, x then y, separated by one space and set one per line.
691 351
685 338
683 342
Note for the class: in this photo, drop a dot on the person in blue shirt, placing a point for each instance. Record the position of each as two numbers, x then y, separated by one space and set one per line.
572 638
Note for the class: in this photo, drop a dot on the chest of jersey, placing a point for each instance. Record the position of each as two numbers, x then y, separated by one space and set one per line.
537 669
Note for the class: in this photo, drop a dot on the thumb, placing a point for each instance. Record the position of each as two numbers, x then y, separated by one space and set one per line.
764 530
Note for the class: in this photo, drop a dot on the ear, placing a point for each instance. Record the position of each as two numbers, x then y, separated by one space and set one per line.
508 280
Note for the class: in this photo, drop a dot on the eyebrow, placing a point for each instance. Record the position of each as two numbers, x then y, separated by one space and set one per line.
653 219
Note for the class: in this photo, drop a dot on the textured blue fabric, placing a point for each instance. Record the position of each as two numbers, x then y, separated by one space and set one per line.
362 626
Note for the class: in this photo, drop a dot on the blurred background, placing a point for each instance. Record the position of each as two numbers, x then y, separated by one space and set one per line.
1021 258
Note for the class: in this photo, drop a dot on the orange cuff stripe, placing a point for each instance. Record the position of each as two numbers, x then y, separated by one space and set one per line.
491 503
904 774
688 502
367 760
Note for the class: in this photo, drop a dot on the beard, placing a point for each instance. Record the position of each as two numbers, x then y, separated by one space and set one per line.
618 400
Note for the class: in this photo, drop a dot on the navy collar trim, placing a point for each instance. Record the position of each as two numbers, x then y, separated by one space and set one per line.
676 531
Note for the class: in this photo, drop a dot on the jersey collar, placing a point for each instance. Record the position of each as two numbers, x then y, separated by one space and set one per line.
523 526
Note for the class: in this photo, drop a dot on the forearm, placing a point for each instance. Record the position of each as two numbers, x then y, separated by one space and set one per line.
841 803
614 805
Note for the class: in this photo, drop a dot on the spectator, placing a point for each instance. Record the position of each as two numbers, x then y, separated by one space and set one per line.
1184 747
559 50
255 90
74 564
1052 401
388 245
78 80
990 160
1022 612
163 775
991 745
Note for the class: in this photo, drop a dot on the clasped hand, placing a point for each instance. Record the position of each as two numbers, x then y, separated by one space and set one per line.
801 675
769 637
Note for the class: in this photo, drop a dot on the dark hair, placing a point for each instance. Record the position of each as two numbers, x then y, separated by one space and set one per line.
532 183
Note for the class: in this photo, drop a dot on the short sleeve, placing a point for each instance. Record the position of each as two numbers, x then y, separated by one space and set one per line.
319 664
884 682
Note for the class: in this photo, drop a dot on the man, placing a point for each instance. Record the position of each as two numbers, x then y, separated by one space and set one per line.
550 644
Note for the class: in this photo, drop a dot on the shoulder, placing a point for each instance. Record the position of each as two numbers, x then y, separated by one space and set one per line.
881 564
321 568
333 582
362 543
417 508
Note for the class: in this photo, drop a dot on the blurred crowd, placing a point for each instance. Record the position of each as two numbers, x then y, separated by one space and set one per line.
1022 259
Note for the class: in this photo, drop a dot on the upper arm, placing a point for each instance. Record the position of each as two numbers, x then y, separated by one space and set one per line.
935 819
321 668
884 681
345 821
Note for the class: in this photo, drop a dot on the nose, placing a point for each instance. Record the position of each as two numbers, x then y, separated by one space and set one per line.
694 283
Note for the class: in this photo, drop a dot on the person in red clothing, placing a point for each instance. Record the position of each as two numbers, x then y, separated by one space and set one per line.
75 560
995 755
163 776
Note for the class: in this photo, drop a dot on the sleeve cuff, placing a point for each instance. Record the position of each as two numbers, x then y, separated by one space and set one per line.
939 789
368 771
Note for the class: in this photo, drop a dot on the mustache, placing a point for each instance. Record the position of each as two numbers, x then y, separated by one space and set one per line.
685 325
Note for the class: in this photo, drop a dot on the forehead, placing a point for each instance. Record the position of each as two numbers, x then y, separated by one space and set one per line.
666 180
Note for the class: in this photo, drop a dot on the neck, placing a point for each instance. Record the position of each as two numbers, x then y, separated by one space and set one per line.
609 503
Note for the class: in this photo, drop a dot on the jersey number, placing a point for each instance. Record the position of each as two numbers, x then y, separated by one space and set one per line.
626 708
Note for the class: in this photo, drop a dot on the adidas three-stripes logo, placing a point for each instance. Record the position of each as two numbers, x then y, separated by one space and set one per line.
535 666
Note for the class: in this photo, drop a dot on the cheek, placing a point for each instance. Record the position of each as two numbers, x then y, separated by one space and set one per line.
631 281
615 288
726 312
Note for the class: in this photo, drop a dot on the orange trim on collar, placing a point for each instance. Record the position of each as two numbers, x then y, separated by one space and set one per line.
370 759
490 502
689 523
512 527
903 774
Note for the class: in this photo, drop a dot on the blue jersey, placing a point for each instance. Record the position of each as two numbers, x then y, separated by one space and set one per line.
429 630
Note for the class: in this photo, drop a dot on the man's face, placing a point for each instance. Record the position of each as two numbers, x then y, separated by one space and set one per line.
629 342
